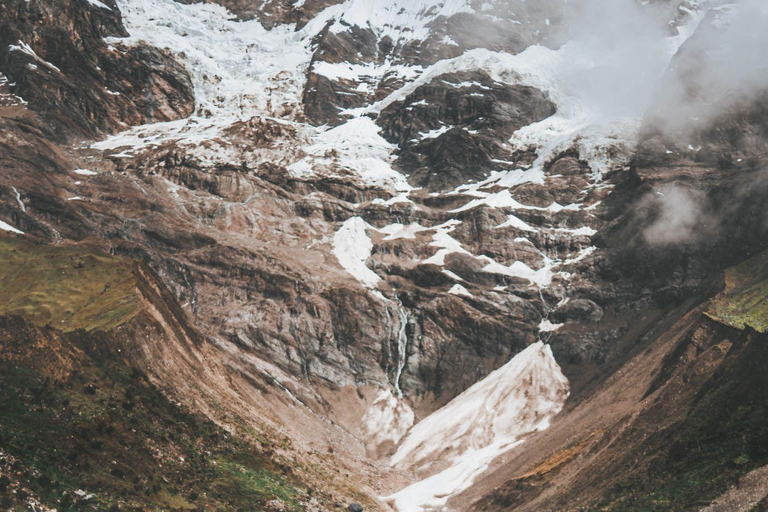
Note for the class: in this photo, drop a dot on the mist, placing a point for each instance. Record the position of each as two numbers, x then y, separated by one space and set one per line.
678 64
722 67
625 48
681 216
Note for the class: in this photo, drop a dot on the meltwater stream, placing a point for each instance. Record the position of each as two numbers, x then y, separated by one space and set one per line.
402 347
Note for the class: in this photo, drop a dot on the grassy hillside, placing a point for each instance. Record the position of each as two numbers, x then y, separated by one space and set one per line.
101 437
744 301
68 287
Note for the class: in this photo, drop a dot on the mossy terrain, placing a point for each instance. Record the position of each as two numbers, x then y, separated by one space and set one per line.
69 287
744 301
103 438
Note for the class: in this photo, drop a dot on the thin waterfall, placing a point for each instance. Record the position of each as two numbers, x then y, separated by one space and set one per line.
402 346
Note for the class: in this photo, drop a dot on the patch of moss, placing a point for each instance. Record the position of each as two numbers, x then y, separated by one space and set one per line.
744 301
254 485
69 287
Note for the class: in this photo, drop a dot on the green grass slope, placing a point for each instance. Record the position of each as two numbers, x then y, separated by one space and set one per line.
68 287
744 301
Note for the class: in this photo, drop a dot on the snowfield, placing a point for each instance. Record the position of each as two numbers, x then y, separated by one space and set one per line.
493 416
352 247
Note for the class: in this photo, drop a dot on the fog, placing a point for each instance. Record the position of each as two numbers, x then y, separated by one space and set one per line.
677 69
723 66
681 216
637 67
627 48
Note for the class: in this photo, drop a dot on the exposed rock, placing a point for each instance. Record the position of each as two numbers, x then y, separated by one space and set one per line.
450 130
578 309
55 54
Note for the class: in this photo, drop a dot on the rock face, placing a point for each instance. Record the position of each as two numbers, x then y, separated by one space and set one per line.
55 55
451 130
347 214
371 49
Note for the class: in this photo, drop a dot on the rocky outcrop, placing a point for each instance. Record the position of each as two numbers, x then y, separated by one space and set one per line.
55 55
454 129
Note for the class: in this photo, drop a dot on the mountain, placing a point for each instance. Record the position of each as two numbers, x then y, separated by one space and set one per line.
414 256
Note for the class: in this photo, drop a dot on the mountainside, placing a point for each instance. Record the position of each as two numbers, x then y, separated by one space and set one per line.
412 256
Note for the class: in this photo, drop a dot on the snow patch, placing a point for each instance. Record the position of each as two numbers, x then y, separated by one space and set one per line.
386 421
25 48
7 227
398 231
352 247
547 326
515 222
446 243
355 147
99 4
400 20
490 418
541 277
239 69
459 290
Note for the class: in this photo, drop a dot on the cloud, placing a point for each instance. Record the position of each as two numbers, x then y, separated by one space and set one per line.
722 66
680 216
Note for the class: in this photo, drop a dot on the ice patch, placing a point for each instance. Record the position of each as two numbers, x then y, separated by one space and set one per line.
490 418
7 227
352 247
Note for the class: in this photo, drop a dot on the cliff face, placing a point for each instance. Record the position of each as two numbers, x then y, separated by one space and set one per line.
56 56
345 215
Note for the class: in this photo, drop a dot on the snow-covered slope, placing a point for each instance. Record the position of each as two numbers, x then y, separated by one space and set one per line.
239 69
396 19
459 441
